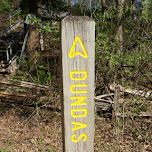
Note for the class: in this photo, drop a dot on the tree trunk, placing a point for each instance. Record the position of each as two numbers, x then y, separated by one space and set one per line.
33 47
119 33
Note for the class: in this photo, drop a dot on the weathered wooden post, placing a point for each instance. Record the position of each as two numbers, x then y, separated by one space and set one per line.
78 58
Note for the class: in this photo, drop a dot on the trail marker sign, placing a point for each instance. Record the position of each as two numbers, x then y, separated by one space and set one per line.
78 66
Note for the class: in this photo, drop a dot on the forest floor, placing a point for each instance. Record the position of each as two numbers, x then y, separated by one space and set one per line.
25 128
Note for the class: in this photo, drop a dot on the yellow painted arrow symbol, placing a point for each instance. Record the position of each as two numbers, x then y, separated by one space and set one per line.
71 54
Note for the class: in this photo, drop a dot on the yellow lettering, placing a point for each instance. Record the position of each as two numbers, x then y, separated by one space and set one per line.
78 85
78 102
77 140
76 73
76 127
79 110
71 54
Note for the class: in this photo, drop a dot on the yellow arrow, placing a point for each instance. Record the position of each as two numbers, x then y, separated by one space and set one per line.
71 54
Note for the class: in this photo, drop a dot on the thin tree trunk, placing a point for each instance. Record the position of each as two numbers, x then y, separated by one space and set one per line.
33 47
119 33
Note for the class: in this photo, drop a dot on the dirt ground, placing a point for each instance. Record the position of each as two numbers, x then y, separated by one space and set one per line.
29 129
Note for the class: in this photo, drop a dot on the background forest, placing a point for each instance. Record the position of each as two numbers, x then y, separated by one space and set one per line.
123 56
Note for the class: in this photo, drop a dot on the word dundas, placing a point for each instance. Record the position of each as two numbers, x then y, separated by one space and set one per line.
78 87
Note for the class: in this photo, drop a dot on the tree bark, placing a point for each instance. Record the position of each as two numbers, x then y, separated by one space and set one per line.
33 47
119 33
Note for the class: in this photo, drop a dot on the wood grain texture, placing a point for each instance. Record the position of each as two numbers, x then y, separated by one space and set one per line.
72 27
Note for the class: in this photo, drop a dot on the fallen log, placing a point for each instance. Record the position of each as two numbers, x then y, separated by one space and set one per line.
10 95
99 98
25 84
140 114
108 101
103 106
146 94
103 109
105 95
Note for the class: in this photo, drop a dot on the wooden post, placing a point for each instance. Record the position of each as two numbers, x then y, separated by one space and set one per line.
116 98
78 70
116 110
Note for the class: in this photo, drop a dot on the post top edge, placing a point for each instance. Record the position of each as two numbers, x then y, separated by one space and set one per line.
77 18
